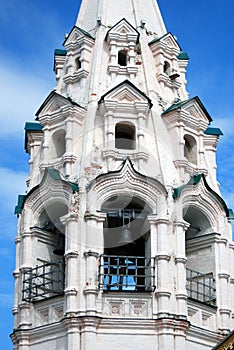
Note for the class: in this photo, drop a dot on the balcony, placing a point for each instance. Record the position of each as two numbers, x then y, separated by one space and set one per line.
201 287
43 281
126 273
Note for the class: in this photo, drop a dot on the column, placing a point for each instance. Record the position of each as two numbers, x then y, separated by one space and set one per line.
162 267
70 221
222 285
94 247
180 261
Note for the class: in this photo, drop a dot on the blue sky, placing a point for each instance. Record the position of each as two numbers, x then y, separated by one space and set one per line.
31 30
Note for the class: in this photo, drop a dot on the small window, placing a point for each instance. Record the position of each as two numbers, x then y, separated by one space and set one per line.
59 143
190 149
167 68
122 58
125 136
78 63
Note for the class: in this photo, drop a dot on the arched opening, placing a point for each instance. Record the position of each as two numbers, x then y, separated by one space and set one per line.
167 68
46 279
59 143
78 63
125 136
123 58
126 263
200 256
190 149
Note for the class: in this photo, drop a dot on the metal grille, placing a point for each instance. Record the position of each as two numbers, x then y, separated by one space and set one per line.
43 281
126 273
201 287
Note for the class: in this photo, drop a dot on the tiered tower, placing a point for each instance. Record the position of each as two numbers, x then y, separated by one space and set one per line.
124 240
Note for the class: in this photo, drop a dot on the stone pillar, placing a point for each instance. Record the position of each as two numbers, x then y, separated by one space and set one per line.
94 247
162 269
88 333
180 261
72 325
70 222
222 285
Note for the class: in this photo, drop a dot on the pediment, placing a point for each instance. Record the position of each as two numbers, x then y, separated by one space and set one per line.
122 30
54 103
76 35
126 93
193 109
168 40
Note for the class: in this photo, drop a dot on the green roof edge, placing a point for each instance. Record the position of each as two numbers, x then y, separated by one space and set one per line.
60 52
20 203
213 131
183 56
33 126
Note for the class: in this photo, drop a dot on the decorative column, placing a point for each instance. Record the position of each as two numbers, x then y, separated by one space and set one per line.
72 244
222 285
180 261
94 247
162 267
72 325
45 152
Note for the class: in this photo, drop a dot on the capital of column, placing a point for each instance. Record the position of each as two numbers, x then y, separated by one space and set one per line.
71 254
98 216
69 218
180 259
224 275
91 253
162 256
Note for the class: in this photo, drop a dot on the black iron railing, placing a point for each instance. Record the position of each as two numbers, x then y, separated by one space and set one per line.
126 273
201 287
43 281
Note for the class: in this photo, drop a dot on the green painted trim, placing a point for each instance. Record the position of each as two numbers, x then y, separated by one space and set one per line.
20 204
213 131
60 52
183 56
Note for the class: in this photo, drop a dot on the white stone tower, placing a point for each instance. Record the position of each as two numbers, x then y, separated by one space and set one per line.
124 240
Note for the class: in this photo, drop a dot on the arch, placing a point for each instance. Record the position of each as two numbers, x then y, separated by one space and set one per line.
123 57
198 220
190 148
127 248
125 136
59 143
128 182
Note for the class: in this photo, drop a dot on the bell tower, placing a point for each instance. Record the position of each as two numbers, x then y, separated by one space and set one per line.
123 237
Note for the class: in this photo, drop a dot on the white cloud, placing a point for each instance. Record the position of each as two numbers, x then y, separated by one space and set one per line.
21 95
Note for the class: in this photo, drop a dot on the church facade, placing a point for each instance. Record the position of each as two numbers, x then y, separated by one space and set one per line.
123 238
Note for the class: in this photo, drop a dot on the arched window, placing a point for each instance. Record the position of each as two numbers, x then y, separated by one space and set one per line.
190 149
125 137
122 58
167 68
126 264
200 257
59 143
78 63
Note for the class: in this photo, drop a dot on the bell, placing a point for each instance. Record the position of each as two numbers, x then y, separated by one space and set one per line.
126 236
60 247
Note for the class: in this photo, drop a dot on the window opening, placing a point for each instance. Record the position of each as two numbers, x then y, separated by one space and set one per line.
126 264
190 149
122 58
78 63
167 68
125 136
